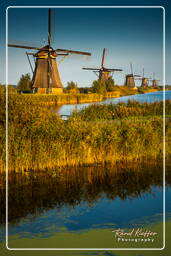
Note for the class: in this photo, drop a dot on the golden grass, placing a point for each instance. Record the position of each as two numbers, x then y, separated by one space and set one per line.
39 139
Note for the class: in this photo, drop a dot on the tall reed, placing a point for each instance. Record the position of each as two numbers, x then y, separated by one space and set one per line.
39 139
122 110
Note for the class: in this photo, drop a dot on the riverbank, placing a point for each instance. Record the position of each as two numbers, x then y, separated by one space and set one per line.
68 98
39 139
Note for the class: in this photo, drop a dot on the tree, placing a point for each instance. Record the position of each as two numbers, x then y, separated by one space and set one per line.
72 87
24 83
110 83
99 86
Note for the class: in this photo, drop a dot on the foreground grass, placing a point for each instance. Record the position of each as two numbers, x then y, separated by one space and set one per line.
38 139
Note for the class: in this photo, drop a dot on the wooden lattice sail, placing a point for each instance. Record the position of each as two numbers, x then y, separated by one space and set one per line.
103 73
46 78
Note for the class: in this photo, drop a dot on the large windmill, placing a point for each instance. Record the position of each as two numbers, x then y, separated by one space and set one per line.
144 80
46 78
102 72
130 78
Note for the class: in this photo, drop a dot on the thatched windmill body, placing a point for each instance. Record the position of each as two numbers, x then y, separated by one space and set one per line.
130 78
103 73
46 78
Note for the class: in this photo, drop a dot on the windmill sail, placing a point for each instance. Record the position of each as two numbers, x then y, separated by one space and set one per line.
74 52
103 56
102 72
23 46
46 77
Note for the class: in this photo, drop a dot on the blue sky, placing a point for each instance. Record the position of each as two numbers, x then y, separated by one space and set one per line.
129 34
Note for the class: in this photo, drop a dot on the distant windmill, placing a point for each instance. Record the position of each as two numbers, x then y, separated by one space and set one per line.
154 81
129 79
46 78
102 72
144 80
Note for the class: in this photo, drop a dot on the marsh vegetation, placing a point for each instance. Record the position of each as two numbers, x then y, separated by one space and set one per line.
38 139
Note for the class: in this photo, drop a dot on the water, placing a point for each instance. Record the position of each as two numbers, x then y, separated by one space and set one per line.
79 208
52 209
148 97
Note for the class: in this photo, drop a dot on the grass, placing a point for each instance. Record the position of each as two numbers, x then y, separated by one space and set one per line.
39 139
73 98
51 99
122 110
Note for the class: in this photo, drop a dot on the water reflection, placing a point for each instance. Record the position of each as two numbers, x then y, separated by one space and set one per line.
34 193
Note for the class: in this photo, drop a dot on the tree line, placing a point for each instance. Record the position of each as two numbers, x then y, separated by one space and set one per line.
98 86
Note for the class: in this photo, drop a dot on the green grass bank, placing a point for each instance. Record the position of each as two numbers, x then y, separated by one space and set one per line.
73 98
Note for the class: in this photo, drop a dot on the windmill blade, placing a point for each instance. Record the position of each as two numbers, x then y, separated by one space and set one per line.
113 69
103 56
153 75
140 78
97 69
23 46
49 27
52 25
74 52
63 54
29 62
131 68
24 43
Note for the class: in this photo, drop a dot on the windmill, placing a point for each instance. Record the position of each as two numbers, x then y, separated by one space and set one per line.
46 78
102 72
154 82
129 78
144 80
